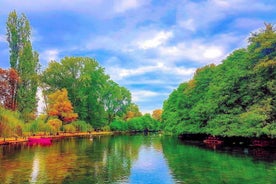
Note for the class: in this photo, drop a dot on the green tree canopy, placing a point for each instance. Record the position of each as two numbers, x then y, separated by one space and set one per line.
96 98
235 98
25 61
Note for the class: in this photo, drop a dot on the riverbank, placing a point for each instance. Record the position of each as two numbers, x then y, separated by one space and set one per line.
62 135
233 140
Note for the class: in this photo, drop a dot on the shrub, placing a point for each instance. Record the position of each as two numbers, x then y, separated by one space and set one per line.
118 125
82 126
55 125
69 128
106 128
10 123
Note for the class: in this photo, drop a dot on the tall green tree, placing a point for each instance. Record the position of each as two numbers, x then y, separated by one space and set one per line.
95 97
235 98
116 100
84 79
25 61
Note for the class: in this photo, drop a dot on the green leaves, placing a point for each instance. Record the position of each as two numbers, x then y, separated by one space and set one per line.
96 98
25 61
235 98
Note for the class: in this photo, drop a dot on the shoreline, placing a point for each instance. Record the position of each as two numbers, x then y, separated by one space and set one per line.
10 141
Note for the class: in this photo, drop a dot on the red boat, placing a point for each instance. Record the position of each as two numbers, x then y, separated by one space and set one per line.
260 143
41 140
213 140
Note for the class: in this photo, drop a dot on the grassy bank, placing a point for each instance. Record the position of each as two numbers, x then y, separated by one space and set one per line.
61 135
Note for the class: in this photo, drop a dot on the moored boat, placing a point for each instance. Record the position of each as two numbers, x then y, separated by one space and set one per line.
40 140
212 140
260 143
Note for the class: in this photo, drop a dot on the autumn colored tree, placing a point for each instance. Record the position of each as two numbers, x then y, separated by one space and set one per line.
8 80
95 97
55 125
61 107
85 81
157 114
25 61
132 112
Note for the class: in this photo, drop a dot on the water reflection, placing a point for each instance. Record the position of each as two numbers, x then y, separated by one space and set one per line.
195 164
35 168
132 159
150 167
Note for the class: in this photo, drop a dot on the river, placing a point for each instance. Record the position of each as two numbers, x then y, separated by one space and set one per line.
136 159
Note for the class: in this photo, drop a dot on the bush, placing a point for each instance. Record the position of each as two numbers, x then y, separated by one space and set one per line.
106 128
69 128
10 123
38 125
143 123
82 126
119 125
136 124
54 125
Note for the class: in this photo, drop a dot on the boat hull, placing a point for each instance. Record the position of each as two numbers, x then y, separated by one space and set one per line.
40 141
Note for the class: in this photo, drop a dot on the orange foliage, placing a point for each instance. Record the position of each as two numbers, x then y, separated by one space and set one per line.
157 114
191 84
55 124
8 82
129 115
60 106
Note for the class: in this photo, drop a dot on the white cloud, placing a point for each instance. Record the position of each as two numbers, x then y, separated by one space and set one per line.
145 95
143 49
212 53
198 16
2 38
108 42
247 23
245 6
99 8
50 55
188 24
142 81
36 37
124 5
157 40
194 51
118 73
221 3
127 40
49 5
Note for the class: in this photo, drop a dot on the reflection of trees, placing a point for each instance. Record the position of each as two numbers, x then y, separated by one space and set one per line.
24 164
10 167
71 161
195 165
106 160
59 159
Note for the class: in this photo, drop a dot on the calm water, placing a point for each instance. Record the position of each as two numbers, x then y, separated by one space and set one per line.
134 159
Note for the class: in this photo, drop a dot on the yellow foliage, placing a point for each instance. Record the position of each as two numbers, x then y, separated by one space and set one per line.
10 124
60 106
157 114
55 124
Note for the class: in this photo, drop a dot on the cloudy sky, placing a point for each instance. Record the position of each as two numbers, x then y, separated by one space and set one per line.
148 46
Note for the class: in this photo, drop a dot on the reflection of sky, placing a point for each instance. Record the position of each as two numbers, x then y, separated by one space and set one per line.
150 167
35 169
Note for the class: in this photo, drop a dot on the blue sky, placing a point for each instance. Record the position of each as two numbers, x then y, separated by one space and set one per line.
148 46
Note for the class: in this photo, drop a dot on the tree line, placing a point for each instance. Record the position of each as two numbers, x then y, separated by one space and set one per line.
234 98
78 94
